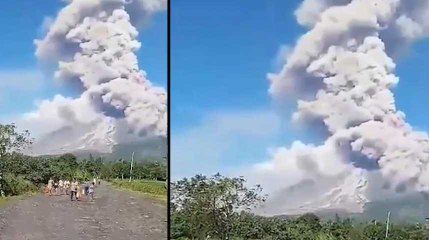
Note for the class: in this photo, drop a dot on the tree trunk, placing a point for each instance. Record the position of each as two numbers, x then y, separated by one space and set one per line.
131 168
2 193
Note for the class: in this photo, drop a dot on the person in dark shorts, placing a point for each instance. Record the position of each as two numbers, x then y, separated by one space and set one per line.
91 190
86 188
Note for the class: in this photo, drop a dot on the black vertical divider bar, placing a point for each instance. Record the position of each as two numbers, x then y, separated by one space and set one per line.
168 117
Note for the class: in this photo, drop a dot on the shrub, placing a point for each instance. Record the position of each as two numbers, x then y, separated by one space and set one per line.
16 185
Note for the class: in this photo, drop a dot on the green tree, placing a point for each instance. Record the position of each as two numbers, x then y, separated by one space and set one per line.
69 159
106 171
10 140
374 231
211 203
311 220
120 169
250 226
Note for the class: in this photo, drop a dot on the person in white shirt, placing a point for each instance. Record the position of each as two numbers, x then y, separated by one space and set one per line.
61 186
67 186
56 188
74 189
50 186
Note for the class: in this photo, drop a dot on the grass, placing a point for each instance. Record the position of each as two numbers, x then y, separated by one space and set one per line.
3 201
151 188
6 200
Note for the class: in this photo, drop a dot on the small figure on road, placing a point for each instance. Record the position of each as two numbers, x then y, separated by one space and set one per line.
50 186
91 191
86 188
61 186
73 190
56 188
67 186
78 192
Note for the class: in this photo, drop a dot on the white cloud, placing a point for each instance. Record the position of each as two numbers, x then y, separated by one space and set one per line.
93 44
306 176
282 55
341 74
202 149
46 24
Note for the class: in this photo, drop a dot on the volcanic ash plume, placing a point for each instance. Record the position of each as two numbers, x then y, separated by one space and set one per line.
93 43
342 72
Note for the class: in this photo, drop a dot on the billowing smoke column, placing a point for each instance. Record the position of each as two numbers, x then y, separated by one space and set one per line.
342 72
93 43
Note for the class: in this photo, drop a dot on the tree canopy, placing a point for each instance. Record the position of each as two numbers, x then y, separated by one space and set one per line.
10 140
209 205
218 208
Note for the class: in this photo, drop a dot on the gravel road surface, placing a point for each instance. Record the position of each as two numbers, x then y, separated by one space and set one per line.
114 214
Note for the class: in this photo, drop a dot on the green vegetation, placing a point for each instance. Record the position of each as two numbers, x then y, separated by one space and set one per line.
20 174
9 199
17 185
141 170
155 189
218 208
10 140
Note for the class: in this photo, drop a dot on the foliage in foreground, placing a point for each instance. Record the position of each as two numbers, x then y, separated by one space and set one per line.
10 140
216 208
206 206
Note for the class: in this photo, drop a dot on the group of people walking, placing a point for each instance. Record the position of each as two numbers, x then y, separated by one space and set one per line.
72 188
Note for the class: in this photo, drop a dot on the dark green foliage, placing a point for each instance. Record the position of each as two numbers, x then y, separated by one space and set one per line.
141 170
210 204
180 226
17 185
194 215
10 140
38 170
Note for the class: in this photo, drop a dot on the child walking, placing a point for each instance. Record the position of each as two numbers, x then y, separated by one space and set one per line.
91 190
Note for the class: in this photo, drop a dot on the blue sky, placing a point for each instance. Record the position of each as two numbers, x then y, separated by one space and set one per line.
222 116
21 82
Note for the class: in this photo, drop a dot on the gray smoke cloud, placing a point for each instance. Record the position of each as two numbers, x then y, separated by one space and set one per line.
93 43
342 73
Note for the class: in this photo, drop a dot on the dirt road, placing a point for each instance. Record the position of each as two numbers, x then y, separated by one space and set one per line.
114 215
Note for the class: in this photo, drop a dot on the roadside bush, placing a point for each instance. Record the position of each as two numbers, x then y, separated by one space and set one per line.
17 185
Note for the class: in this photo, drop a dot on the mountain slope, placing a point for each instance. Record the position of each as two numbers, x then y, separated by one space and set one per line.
413 207
100 140
154 148
345 191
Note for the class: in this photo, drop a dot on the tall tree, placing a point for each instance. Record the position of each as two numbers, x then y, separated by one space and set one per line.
212 202
10 141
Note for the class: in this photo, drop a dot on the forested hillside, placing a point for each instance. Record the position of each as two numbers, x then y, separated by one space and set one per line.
22 173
